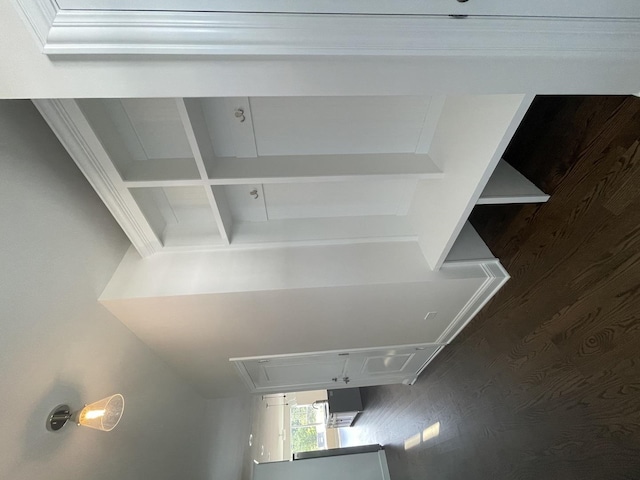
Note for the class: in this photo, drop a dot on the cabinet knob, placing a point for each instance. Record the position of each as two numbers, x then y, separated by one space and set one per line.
239 113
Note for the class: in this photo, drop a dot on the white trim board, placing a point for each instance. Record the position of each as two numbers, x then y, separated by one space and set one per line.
68 123
425 364
497 276
550 8
99 32
39 15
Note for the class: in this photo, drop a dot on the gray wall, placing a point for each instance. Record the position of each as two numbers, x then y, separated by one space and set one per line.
58 248
229 421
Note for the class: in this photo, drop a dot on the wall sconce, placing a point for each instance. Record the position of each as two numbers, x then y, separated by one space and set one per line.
102 415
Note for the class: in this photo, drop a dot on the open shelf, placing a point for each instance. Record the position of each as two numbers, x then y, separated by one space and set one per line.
323 168
144 138
293 126
179 216
240 172
507 185
315 139
282 201
469 247
323 231
319 213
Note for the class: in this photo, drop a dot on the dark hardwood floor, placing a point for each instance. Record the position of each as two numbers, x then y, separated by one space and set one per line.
545 381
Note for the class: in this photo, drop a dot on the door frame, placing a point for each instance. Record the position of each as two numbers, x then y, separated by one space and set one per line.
381 380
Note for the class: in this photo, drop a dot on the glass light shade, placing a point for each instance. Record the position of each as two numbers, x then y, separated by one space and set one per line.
103 414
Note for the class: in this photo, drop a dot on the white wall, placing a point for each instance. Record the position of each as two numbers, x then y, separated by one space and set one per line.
26 73
229 421
58 247
308 397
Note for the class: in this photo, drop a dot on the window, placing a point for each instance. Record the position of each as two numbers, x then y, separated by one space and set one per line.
308 431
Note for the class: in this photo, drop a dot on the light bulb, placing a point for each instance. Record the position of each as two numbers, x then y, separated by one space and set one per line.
103 414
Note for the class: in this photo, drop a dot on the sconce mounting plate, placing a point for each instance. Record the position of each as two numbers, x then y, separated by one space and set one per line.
58 417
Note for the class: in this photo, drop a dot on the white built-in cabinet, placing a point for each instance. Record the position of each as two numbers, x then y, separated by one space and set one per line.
251 171
239 195
339 369
207 173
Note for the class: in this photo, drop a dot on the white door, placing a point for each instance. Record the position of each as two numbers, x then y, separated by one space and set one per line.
336 369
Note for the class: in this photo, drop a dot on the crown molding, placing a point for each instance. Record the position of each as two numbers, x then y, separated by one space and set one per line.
66 121
98 32
183 33
511 8
39 16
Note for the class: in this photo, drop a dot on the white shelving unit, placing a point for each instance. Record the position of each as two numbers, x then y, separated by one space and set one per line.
238 172
346 213
211 173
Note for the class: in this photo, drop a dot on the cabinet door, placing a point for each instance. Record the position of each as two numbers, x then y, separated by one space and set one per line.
339 369
294 372
337 125
299 126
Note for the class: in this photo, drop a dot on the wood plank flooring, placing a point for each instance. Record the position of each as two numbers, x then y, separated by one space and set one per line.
545 382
